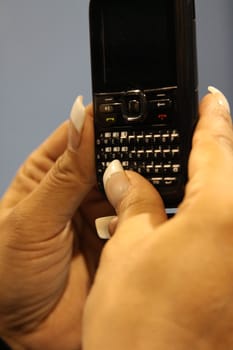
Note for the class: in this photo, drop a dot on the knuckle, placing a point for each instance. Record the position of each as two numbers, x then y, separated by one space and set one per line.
68 170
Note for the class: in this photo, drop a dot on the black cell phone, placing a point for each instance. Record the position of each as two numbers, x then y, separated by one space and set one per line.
145 90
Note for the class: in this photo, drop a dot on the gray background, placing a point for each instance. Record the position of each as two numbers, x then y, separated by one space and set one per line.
44 65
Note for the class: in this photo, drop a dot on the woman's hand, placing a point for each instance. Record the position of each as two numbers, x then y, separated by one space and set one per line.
168 284
48 244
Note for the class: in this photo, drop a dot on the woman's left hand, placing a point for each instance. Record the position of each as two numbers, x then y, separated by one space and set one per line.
48 245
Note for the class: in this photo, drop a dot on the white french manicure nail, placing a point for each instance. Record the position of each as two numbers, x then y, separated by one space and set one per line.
116 183
222 100
113 168
77 114
77 117
102 225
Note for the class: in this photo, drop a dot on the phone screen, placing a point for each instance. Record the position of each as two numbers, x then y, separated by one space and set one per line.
139 50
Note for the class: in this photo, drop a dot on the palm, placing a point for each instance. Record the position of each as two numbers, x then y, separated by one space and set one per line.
67 315
63 257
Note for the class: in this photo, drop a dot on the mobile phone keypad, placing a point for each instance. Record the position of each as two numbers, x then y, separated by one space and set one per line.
154 155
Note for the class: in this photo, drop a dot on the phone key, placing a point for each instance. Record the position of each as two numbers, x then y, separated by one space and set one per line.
124 149
124 134
157 139
141 170
113 142
107 164
122 156
125 164
148 151
108 149
175 136
123 141
139 140
100 171
149 155
131 155
176 168
106 108
148 136
115 134
114 156
158 154
140 154
109 119
175 153
149 169
148 139
165 138
158 169
116 149
108 135
131 139
157 181
162 103
170 181
167 153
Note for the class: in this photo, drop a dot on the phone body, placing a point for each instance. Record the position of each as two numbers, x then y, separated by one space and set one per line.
145 89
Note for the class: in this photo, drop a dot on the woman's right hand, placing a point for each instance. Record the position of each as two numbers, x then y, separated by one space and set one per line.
167 284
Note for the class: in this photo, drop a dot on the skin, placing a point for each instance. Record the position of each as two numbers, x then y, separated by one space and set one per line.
49 248
159 285
167 284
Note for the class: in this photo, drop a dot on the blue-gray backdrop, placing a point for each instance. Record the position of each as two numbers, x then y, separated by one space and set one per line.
44 65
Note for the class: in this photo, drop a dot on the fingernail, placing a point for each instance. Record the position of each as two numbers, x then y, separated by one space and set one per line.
116 183
102 226
77 117
222 100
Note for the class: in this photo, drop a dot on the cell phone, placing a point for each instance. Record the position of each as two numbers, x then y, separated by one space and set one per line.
145 89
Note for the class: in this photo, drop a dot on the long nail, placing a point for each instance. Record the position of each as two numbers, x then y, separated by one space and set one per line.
77 118
116 183
222 100
102 226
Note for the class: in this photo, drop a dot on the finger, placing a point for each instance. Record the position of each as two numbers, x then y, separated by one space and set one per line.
211 158
54 201
133 198
36 166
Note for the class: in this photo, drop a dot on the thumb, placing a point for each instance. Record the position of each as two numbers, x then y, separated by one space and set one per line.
133 198
211 158
53 202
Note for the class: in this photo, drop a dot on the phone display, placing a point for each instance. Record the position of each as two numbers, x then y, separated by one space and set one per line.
144 79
